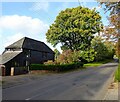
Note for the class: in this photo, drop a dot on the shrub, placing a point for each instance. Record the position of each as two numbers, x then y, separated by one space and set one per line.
57 67
49 62
104 49
68 57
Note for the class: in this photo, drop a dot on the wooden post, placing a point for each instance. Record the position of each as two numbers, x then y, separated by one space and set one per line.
3 70
12 71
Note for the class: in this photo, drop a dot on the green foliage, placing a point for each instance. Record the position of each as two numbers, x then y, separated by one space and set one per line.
88 55
68 57
92 64
114 8
117 74
49 62
57 53
57 67
104 50
95 64
111 49
74 28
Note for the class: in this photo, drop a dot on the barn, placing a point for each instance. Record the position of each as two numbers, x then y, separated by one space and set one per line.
24 52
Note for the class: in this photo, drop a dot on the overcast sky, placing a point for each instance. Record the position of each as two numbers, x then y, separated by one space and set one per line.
32 19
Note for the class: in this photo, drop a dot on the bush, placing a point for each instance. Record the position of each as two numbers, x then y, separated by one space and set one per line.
57 67
49 62
104 49
69 57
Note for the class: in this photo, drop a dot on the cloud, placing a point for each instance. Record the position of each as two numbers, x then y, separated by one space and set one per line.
23 24
14 27
37 6
0 35
13 38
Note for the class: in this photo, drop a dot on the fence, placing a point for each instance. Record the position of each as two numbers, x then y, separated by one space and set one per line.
18 70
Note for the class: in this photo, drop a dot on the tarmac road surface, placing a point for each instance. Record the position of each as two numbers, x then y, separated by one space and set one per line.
88 84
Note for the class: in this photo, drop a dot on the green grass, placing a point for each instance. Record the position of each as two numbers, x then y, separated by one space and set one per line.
92 64
96 64
117 74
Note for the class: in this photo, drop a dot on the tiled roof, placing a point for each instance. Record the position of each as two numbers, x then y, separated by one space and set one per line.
8 55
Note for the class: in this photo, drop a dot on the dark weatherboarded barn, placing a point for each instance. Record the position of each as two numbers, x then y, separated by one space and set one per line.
24 52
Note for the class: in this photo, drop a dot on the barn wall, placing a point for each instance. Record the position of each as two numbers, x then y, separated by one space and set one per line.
18 61
36 57
39 57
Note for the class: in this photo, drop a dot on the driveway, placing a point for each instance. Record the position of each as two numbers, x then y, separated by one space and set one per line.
88 84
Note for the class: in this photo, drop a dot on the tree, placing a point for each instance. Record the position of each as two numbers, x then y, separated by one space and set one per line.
114 8
57 53
104 49
68 56
74 28
87 55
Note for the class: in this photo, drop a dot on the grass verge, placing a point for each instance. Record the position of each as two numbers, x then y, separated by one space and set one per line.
96 64
117 74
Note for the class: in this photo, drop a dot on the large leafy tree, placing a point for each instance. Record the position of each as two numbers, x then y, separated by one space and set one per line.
114 20
74 28
114 32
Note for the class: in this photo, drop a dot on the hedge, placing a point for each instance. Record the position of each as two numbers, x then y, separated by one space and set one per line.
58 68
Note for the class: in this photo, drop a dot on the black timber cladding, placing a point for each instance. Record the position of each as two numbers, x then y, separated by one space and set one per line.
36 45
24 52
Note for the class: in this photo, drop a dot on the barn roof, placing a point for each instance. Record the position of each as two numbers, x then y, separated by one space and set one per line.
28 43
7 56
17 44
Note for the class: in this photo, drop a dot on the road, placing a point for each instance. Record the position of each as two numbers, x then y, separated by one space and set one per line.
88 84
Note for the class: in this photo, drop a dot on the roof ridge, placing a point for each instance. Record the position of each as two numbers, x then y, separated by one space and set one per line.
29 43
10 46
33 39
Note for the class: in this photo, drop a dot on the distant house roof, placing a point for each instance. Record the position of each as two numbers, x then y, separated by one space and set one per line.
28 43
7 56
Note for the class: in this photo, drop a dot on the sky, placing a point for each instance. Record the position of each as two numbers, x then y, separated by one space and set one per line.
32 19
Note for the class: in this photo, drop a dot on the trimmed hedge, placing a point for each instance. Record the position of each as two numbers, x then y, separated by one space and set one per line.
58 68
